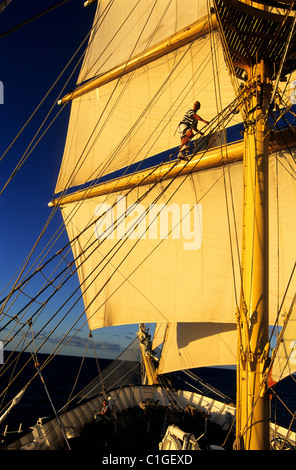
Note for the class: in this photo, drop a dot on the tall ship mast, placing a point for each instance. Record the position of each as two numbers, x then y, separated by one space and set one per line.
199 245
262 58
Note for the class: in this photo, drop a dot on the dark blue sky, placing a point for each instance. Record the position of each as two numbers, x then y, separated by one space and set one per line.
32 57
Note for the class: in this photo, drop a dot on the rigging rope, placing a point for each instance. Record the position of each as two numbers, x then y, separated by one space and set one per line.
39 15
77 378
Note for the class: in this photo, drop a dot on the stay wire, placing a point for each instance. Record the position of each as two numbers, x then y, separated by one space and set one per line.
77 377
37 366
30 20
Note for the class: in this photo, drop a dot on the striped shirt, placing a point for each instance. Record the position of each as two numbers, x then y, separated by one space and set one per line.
188 119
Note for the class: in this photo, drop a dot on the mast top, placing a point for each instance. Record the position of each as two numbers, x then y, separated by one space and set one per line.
253 33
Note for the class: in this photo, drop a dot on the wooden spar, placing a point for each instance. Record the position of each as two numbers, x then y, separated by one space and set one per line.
201 161
181 38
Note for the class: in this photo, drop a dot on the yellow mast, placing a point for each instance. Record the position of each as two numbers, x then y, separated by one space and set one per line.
251 51
252 401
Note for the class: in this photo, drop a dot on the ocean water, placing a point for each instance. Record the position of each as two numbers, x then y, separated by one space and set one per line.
59 378
60 375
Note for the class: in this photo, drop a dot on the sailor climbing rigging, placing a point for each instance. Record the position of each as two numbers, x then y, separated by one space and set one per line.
188 126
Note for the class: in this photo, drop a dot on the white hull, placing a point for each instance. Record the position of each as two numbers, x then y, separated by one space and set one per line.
48 436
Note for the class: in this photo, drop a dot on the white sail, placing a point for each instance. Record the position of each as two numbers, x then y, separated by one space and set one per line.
136 116
182 271
190 345
159 334
122 28
156 276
